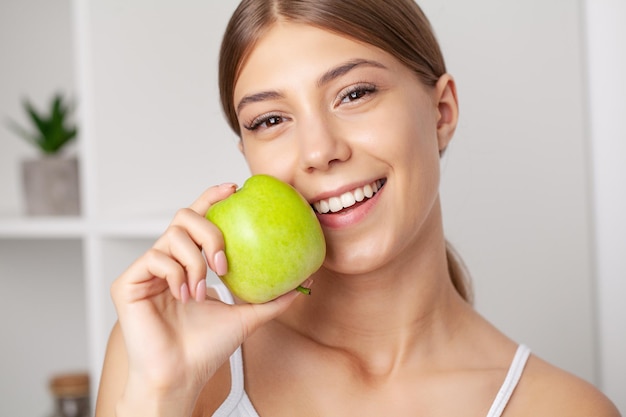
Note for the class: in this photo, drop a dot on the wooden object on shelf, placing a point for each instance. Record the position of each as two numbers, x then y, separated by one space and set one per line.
71 394
70 385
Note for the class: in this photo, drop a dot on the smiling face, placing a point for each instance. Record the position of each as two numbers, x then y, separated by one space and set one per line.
355 132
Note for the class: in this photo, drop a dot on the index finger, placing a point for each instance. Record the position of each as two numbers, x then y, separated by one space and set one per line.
212 196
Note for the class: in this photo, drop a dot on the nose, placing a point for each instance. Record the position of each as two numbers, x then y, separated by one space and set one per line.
321 145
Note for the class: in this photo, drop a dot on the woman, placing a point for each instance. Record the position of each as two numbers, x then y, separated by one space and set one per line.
331 97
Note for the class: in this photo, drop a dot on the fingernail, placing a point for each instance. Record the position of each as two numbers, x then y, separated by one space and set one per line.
221 265
184 293
201 291
229 185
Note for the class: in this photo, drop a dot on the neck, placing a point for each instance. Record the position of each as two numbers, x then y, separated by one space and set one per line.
382 317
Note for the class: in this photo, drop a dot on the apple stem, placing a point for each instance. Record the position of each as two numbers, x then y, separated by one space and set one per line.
303 290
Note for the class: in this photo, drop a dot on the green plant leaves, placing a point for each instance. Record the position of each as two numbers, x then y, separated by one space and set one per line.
52 131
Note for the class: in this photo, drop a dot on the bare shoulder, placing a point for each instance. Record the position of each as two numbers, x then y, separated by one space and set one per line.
546 390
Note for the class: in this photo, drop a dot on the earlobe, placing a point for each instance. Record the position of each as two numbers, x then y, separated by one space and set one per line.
240 146
447 110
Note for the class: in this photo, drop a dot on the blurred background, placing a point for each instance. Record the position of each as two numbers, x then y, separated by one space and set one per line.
533 184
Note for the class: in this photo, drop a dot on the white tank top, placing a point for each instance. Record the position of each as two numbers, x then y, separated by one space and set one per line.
237 404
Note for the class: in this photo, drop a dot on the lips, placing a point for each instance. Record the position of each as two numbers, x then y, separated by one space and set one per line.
348 199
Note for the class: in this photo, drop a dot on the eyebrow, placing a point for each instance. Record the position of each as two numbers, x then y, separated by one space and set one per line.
343 69
327 77
255 98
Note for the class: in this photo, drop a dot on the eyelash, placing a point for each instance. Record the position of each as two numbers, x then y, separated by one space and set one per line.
361 90
259 121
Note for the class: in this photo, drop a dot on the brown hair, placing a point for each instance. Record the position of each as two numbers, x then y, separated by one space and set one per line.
398 27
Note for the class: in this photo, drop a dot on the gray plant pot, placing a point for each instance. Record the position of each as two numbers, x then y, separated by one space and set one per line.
51 186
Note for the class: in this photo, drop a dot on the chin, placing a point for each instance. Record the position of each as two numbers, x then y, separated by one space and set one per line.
351 260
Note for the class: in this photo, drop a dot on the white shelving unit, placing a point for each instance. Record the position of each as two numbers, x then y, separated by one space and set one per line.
95 253
69 228
41 228
152 138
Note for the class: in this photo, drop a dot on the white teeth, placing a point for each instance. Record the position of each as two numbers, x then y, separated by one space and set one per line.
368 191
335 204
347 199
359 195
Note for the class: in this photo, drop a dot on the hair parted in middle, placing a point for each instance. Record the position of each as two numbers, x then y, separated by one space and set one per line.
399 27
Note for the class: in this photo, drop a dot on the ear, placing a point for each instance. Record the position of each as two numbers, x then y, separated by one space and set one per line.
447 110
240 146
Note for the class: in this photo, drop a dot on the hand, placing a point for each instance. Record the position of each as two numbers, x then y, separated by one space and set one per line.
175 337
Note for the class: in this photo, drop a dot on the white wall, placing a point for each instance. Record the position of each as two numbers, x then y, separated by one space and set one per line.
154 99
37 60
606 37
516 189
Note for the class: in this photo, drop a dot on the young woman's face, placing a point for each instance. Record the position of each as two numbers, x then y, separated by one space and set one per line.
339 119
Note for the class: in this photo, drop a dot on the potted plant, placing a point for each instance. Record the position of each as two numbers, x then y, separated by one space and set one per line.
50 181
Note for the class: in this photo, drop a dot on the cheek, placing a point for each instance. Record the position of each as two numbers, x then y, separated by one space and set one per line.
274 158
406 138
413 155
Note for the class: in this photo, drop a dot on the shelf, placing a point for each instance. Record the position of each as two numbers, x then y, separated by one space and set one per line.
76 228
148 228
42 227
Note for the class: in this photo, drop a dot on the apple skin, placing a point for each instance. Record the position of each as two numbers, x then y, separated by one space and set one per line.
273 240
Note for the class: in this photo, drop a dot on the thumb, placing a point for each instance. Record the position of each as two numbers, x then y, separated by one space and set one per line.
254 316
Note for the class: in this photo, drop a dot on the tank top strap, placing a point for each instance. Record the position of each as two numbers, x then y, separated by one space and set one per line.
510 382
223 294
229 406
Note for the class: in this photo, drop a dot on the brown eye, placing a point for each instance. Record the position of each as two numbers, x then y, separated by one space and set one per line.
356 93
274 120
264 122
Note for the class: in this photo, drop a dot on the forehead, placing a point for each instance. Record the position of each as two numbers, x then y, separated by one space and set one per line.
296 52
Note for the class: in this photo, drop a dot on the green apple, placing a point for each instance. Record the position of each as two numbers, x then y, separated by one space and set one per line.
273 240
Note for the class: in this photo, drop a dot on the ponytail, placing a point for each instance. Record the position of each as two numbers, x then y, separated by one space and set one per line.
459 274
